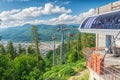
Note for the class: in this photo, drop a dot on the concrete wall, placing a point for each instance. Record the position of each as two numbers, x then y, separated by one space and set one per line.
116 5
104 9
94 75
100 41
109 7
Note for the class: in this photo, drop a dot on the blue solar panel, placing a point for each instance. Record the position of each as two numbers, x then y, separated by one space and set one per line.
105 21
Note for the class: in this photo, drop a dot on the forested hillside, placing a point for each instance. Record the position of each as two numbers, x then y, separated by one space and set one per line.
23 33
31 66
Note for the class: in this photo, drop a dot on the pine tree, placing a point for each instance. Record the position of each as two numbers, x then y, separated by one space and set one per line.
30 50
10 49
78 45
20 48
2 49
35 37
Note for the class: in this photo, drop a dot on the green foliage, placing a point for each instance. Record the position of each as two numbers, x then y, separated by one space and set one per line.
88 40
85 76
78 37
27 67
48 58
24 64
10 49
74 52
72 56
80 65
20 48
23 67
35 74
68 71
54 73
6 68
62 72
31 49
2 49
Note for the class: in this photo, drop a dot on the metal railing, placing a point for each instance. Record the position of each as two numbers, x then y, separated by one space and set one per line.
107 71
110 73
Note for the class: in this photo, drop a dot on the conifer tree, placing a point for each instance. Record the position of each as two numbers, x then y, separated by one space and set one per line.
35 37
10 49
30 50
2 49
20 48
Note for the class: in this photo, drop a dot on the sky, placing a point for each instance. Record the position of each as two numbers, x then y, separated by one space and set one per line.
51 12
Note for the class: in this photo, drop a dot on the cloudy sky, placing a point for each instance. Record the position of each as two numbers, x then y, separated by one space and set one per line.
52 12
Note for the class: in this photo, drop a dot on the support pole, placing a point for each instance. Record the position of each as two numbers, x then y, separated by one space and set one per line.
54 51
62 49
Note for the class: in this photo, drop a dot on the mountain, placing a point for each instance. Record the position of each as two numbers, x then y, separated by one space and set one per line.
23 33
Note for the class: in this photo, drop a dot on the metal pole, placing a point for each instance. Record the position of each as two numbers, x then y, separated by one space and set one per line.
78 45
53 52
62 47
68 41
62 41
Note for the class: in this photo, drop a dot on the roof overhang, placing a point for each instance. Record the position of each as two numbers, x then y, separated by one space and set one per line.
100 31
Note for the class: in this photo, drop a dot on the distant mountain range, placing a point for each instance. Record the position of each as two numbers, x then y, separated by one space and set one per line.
23 33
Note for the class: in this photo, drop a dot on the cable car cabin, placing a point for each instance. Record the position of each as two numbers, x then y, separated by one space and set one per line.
108 23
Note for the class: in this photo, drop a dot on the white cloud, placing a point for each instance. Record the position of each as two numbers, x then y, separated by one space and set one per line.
68 2
6 15
69 19
18 17
66 19
50 9
33 12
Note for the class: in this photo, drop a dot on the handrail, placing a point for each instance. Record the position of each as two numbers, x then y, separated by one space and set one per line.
118 77
111 45
111 67
90 50
105 69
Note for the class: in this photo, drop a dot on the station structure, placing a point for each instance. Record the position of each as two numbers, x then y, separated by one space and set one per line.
103 61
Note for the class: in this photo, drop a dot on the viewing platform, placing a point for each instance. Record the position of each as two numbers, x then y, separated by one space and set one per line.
104 69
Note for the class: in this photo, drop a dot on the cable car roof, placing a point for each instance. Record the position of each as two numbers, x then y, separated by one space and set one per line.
108 22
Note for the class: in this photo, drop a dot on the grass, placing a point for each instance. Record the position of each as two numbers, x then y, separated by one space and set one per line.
63 72
84 76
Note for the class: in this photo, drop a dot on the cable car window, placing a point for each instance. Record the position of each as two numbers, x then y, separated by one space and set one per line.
105 21
83 24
